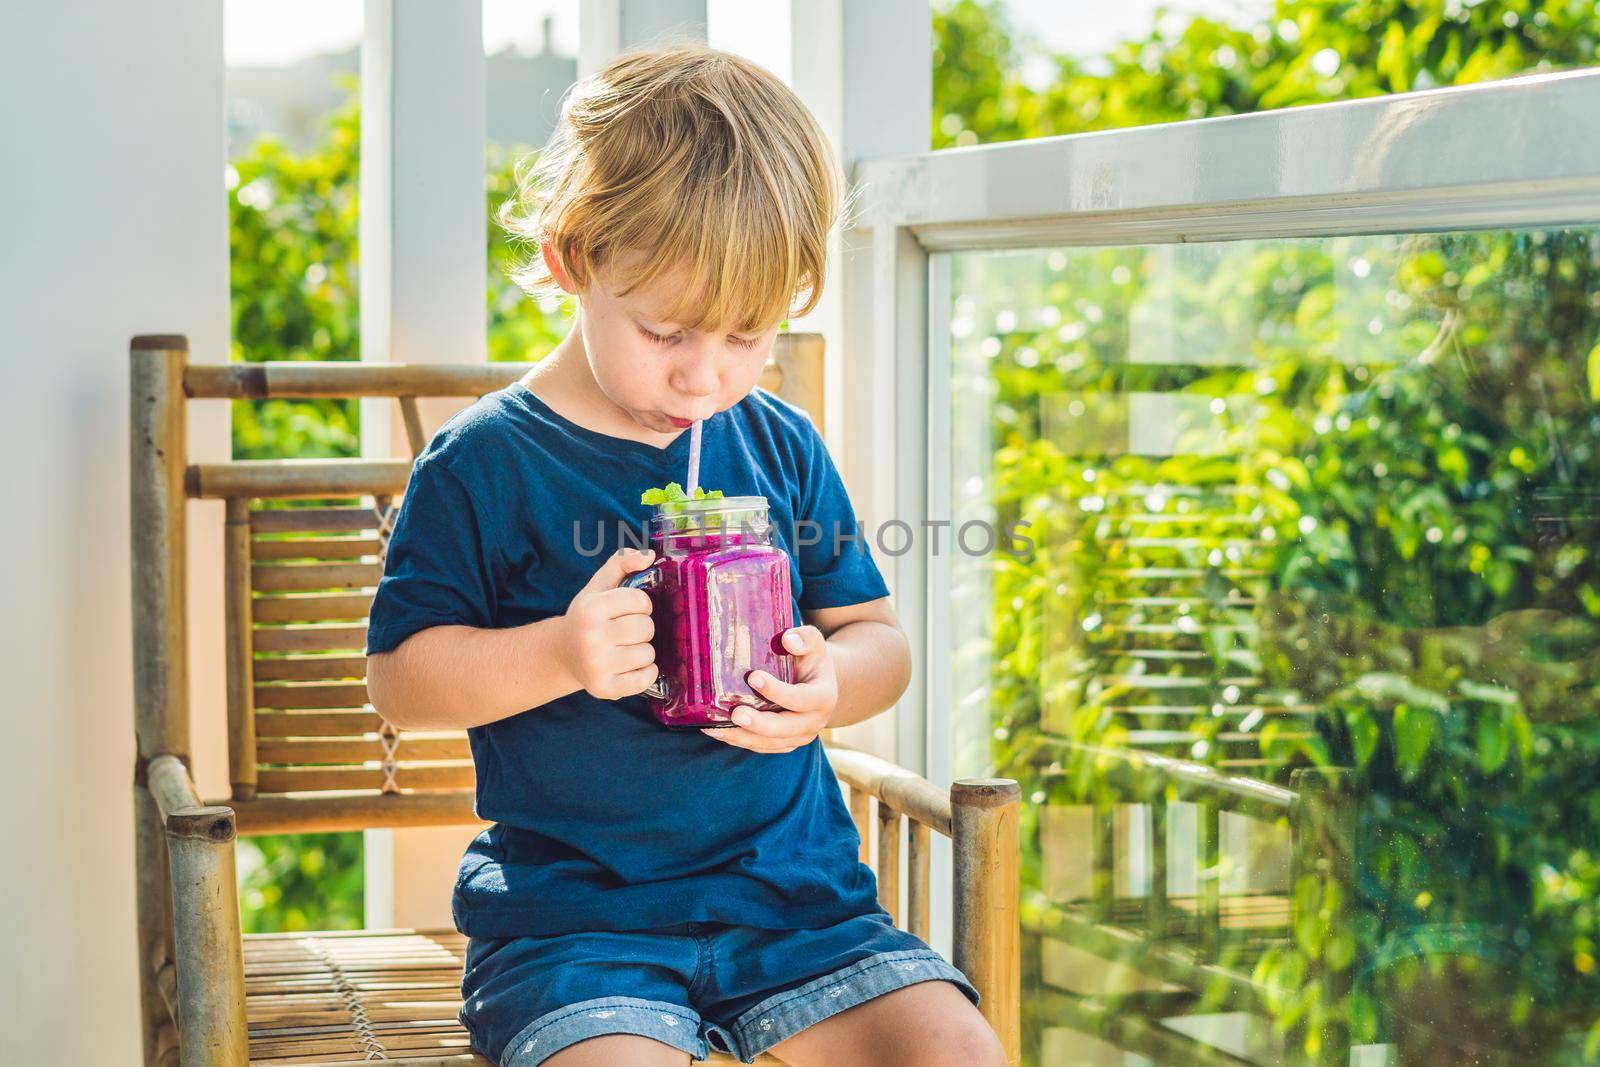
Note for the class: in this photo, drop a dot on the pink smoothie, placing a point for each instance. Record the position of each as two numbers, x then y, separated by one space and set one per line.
720 603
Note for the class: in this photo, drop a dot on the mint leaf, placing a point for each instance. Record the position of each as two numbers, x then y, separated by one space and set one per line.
672 493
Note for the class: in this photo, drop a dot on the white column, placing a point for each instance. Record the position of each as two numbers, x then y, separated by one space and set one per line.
865 70
607 27
99 94
423 262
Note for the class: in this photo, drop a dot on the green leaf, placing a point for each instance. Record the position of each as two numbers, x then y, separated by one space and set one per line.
1594 373
1413 731
1364 734
1494 742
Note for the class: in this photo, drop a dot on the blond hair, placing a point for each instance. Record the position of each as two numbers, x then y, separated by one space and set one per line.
698 161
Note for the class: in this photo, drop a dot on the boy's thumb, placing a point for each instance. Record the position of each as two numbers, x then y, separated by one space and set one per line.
618 566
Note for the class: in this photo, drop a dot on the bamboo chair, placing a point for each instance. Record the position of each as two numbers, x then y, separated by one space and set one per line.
308 753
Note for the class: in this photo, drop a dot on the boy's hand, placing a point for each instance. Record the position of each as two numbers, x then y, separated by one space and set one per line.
809 701
606 631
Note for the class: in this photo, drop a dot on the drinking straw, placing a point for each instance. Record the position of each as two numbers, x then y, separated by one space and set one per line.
693 481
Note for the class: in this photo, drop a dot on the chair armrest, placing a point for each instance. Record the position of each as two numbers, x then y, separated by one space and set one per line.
904 791
207 942
979 815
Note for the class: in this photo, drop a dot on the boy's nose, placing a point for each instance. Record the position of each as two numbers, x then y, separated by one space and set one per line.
697 377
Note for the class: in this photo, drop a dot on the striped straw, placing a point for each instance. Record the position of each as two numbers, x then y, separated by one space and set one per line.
694 459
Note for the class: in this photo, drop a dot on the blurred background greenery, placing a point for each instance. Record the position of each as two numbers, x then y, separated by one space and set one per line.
1401 489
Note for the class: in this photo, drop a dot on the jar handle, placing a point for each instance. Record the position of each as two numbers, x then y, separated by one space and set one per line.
648 579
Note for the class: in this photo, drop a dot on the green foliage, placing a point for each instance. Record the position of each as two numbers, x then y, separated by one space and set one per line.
1309 52
1369 543
300 882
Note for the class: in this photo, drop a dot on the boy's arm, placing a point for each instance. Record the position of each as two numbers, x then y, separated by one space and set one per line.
871 657
453 677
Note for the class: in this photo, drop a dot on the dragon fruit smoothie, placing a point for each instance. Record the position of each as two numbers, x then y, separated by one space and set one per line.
721 602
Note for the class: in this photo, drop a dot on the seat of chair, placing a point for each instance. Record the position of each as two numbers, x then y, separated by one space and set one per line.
344 999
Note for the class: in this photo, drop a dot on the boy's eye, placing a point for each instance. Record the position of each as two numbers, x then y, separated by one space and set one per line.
744 342
657 338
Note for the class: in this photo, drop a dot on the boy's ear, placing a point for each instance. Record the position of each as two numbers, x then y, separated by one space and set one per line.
558 272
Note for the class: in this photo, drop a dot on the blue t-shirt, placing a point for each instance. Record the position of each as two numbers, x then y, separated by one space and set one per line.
603 818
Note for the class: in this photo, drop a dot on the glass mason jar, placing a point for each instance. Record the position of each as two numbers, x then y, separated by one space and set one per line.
721 601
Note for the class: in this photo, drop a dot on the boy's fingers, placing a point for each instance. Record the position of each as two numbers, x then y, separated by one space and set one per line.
637 681
802 641
784 694
742 738
621 602
618 566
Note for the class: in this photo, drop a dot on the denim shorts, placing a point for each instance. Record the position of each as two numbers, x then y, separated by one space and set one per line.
696 986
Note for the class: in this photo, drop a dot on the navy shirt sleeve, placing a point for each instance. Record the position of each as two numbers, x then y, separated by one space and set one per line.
836 565
442 567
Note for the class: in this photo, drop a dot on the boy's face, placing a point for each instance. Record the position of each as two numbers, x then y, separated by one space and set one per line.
659 372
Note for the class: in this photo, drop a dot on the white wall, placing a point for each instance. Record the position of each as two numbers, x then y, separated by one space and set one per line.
115 224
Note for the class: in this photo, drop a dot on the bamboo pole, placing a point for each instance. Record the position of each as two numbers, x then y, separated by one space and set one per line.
157 450
861 815
919 907
160 637
795 373
795 355
415 438
889 823
1324 837
207 942
153 905
904 791
988 935
307 379
303 478
171 786
241 703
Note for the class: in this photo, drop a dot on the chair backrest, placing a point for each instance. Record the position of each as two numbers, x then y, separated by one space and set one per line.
303 555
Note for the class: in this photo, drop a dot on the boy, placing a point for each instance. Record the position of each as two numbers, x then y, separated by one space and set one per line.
644 894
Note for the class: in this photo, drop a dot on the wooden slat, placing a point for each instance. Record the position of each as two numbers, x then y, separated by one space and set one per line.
314 637
427 776
304 478
411 748
313 520
309 668
298 577
861 815
315 548
370 810
311 607
919 895
236 626
316 723
312 695
889 823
